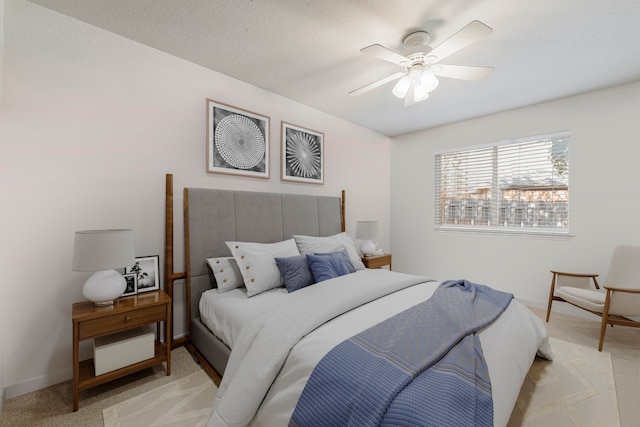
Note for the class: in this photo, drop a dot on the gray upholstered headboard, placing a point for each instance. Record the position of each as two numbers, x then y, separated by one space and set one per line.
215 216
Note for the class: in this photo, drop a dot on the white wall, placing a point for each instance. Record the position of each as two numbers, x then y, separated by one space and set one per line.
94 121
604 195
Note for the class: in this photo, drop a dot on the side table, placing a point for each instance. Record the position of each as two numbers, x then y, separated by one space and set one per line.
126 313
377 261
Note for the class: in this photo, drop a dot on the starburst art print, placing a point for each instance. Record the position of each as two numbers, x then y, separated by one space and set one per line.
302 154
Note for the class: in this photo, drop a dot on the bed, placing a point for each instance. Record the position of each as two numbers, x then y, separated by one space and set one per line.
279 337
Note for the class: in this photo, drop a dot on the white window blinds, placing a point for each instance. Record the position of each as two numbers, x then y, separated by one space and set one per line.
517 186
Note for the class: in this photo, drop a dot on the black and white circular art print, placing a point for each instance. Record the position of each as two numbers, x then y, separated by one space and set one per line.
239 141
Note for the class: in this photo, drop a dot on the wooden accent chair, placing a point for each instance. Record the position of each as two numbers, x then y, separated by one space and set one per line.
620 298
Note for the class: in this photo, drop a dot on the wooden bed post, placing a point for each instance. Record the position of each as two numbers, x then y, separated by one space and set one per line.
168 234
342 213
187 258
169 275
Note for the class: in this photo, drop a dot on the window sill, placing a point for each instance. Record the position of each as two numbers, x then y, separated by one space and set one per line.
515 232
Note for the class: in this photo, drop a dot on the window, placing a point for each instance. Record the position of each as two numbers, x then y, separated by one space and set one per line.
517 186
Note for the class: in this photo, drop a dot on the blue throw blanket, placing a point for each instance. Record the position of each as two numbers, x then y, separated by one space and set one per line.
422 367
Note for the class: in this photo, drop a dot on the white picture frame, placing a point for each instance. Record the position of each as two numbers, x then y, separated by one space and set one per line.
147 272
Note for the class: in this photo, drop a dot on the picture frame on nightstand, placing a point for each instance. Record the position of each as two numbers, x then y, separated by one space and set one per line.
147 272
132 284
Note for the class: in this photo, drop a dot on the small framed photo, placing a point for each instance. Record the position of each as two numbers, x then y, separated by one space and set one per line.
237 141
302 152
147 273
132 284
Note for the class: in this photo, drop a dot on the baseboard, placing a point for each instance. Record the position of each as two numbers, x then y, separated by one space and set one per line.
38 383
54 378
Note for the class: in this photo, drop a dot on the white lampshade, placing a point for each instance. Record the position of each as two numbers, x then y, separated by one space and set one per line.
102 251
368 232
402 87
429 81
419 92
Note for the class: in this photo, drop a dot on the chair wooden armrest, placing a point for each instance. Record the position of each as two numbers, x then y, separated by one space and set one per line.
564 273
574 274
631 291
556 273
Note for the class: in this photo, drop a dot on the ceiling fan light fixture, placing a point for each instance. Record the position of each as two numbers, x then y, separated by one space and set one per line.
429 81
421 65
420 91
419 94
401 88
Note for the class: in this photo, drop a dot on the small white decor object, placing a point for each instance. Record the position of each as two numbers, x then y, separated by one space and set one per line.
122 349
368 232
102 251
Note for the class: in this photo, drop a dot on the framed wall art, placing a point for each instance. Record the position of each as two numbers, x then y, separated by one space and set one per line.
147 272
237 141
302 154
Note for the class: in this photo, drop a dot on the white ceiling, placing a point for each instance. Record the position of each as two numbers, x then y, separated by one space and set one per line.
309 50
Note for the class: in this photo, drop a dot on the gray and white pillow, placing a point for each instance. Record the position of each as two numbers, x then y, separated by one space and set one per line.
226 272
337 242
257 264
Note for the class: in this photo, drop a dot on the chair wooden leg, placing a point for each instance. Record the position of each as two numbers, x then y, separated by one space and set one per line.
553 286
603 329
605 319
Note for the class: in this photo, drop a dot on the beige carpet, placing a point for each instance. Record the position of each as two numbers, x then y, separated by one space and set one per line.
51 406
185 402
576 388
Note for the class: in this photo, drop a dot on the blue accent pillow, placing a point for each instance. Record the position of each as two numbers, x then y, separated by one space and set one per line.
295 271
327 266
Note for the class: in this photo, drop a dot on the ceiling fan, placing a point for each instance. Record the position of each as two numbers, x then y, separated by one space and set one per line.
421 65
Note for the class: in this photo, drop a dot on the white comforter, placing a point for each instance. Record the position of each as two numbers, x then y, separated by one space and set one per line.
275 353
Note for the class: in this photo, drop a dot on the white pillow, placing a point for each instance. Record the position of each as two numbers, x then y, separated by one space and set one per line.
258 265
226 272
337 242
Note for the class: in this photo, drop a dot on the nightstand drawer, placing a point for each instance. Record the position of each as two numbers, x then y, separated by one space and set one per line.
118 322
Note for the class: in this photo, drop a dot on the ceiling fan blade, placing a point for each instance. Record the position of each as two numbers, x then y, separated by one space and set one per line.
462 72
375 84
472 32
385 54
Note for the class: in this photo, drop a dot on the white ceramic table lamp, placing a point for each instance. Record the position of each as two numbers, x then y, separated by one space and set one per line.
102 251
368 232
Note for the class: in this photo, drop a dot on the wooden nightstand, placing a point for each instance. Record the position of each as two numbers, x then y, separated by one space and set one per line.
126 313
377 261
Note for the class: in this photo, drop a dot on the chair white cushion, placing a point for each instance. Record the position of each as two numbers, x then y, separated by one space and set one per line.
590 299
